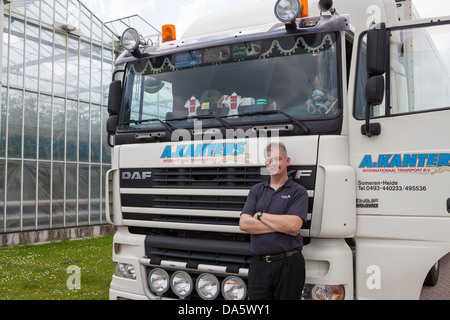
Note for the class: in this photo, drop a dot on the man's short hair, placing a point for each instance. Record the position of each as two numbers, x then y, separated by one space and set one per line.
281 147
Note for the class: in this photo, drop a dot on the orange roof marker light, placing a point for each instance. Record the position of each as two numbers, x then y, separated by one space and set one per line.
288 10
168 33
304 11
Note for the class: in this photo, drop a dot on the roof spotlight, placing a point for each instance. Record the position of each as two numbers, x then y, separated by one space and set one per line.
131 40
326 6
287 10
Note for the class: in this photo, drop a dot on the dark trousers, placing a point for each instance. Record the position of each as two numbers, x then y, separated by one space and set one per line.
279 280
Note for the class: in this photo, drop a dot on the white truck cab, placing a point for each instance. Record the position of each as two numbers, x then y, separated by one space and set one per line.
359 93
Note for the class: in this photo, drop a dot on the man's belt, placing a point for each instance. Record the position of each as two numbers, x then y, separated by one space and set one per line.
276 257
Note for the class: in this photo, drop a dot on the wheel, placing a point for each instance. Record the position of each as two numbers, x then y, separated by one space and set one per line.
432 276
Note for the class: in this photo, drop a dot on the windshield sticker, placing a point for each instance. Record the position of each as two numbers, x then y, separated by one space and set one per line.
247 49
216 55
434 163
188 59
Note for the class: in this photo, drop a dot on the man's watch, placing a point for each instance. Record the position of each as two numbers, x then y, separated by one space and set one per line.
259 215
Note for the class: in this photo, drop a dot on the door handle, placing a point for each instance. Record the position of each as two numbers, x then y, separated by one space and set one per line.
448 205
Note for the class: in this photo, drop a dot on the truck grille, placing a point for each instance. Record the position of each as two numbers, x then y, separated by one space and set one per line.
184 202
177 197
235 253
218 177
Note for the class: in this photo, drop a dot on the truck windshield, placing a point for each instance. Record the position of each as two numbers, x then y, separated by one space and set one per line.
249 83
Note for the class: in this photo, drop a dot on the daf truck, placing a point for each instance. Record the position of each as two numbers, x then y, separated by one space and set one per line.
358 91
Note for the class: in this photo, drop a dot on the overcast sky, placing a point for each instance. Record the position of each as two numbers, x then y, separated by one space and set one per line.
182 13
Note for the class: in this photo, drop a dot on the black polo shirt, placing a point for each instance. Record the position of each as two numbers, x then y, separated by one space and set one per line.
290 199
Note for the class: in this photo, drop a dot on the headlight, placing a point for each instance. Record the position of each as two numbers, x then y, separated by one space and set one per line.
125 270
207 286
158 281
181 284
323 292
287 10
234 288
131 39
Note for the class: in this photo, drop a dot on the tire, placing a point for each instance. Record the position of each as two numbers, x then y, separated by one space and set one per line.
433 276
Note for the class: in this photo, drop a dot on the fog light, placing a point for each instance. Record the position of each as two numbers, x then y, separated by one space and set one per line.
130 39
125 270
287 10
207 286
158 280
234 288
181 284
323 292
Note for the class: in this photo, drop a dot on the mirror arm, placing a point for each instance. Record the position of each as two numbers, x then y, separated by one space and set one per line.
370 129
367 125
111 145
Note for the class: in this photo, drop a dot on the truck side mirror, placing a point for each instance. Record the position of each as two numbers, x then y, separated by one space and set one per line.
115 97
111 124
375 90
377 52
114 103
377 42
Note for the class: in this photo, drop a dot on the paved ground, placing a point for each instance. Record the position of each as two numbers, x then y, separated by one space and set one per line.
442 290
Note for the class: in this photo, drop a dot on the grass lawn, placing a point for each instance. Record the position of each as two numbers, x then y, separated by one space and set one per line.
46 272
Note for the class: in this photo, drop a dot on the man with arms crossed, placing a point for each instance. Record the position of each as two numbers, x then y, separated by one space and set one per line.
273 214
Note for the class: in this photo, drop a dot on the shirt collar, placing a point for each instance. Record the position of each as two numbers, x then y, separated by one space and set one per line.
287 184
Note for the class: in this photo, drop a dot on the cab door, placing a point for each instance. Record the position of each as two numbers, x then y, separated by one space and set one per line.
399 137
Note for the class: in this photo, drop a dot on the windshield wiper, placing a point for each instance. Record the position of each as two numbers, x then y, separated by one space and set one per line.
291 118
208 116
138 122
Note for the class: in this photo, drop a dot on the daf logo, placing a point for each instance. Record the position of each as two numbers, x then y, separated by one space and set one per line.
367 203
136 175
301 173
